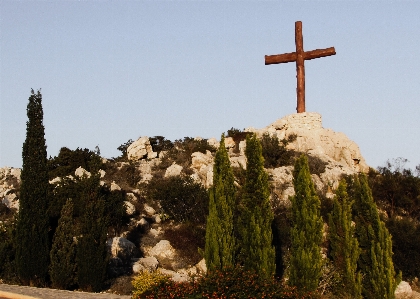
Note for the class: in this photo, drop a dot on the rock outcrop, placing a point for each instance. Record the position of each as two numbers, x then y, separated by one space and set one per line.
140 149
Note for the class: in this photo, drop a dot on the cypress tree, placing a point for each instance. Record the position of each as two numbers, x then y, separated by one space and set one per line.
306 233
256 250
32 242
344 245
375 261
63 251
91 255
220 239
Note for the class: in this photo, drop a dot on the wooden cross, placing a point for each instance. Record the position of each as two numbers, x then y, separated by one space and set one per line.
299 56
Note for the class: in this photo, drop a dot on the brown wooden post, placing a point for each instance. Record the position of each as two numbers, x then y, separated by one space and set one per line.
299 56
300 68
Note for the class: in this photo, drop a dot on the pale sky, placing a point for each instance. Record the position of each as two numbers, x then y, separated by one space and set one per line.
111 71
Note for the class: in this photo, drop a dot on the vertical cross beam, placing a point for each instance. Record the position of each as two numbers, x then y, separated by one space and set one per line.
299 57
300 68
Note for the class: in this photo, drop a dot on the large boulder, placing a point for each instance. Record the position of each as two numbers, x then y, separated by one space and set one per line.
313 139
403 290
149 264
173 170
121 251
82 173
140 149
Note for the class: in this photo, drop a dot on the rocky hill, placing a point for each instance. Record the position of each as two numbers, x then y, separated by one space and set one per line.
150 241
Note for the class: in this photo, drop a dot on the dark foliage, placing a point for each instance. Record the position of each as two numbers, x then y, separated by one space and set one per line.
123 149
406 246
74 189
181 198
188 239
159 143
63 252
316 165
32 246
237 136
275 152
69 160
91 253
396 190
8 271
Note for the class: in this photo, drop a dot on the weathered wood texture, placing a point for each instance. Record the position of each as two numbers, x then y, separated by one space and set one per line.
299 56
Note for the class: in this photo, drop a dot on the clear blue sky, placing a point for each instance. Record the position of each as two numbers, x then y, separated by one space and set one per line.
111 71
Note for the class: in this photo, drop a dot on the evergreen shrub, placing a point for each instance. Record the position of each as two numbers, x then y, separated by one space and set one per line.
180 197
275 152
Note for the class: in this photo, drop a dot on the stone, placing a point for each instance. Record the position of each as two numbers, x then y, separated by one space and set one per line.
229 142
157 219
143 224
131 197
115 187
129 208
102 173
123 249
148 209
163 249
403 290
173 170
201 267
10 200
199 159
213 142
313 139
175 276
149 264
82 173
140 149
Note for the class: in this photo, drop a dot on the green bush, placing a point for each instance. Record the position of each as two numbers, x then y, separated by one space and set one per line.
275 152
237 136
146 281
69 160
181 198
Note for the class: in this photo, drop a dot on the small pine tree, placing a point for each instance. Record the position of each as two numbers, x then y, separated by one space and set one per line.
32 241
220 239
375 261
256 250
91 253
344 245
63 251
306 233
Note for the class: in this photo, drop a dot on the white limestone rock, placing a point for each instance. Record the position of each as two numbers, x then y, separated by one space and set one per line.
140 149
129 208
213 142
149 264
115 187
312 138
201 267
175 276
163 249
173 170
82 173
148 209
403 290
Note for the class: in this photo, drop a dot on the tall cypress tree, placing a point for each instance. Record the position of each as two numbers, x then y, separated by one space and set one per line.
306 233
257 251
32 244
63 251
220 239
344 245
375 261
